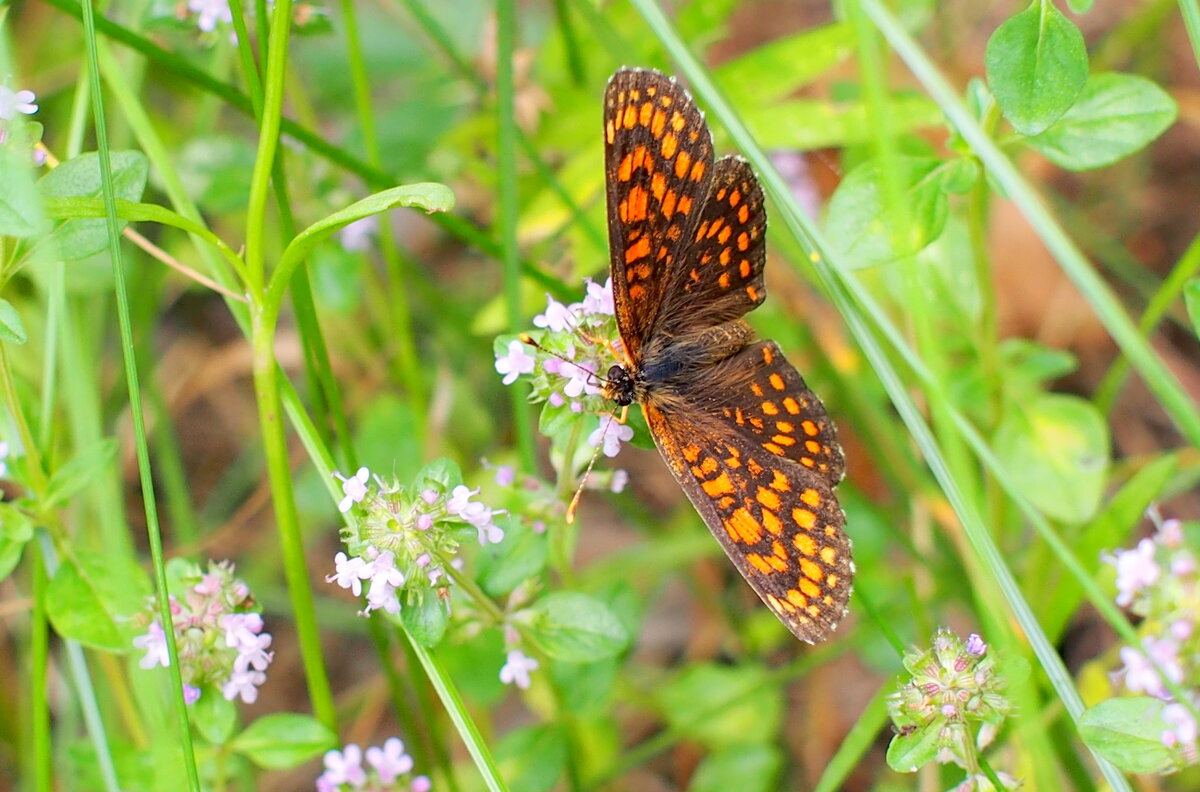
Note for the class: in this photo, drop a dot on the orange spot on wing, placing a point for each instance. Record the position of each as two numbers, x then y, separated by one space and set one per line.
637 250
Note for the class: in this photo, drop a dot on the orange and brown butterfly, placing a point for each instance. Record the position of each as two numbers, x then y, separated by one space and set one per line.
747 440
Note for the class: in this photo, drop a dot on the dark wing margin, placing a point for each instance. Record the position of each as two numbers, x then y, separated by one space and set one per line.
779 522
658 162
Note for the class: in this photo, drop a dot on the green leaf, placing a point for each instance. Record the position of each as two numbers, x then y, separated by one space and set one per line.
20 205
430 196
441 473
283 740
11 327
1128 733
92 599
425 619
869 228
214 716
80 178
723 705
76 474
577 628
586 688
1080 6
520 556
773 71
821 123
16 530
1036 65
1114 116
907 753
532 758
1056 448
746 768
1032 364
1191 298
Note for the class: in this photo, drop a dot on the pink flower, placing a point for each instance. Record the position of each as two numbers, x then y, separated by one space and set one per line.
517 362
390 760
610 434
154 642
1136 569
354 488
516 669
344 767
13 102
599 299
557 317
349 573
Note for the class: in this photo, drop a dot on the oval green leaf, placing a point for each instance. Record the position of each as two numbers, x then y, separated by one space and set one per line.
1036 65
577 628
1114 116
283 740
79 177
93 598
426 619
1128 733
1056 448
746 768
872 227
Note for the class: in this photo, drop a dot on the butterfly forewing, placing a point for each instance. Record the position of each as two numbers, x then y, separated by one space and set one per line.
658 165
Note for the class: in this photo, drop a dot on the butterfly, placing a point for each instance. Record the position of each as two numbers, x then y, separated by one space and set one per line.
750 444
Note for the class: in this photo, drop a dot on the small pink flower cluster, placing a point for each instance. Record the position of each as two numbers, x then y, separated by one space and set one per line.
1159 579
953 703
389 769
220 641
575 352
403 541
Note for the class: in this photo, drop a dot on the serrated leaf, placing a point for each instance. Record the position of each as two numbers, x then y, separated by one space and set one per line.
1056 448
283 740
76 473
576 627
21 213
872 227
11 327
92 599
1128 733
1114 116
1036 65
79 177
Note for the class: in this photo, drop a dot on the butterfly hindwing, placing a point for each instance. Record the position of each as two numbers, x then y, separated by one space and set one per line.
778 522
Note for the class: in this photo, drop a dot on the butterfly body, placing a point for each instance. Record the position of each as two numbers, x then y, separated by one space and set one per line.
749 443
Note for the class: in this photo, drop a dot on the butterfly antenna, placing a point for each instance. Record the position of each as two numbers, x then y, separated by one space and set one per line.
570 517
525 338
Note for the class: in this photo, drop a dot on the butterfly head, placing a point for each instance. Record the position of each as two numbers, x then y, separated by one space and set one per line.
620 386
